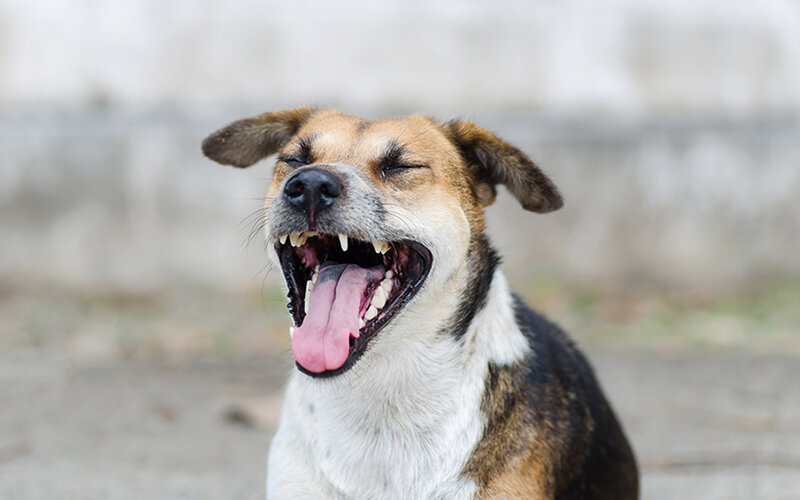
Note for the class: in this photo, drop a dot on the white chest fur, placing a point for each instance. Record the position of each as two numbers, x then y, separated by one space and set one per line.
401 423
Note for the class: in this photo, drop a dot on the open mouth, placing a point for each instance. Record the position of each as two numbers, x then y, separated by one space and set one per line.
342 291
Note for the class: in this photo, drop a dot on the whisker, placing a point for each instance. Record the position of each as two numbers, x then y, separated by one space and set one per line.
400 218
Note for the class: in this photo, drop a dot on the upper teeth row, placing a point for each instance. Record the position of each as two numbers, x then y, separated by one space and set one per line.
299 239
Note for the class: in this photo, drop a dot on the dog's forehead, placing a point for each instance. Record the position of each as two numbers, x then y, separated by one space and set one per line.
336 136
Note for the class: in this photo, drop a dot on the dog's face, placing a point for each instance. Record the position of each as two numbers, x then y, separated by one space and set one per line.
372 220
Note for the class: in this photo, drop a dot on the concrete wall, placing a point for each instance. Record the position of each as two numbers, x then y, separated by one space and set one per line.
673 128
111 199
629 57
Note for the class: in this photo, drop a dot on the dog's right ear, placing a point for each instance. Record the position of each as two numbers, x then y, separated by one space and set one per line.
493 161
247 141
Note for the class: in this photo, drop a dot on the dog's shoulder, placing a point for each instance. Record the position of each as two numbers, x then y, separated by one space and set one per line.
550 432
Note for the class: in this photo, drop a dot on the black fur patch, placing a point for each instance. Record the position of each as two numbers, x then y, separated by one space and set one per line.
579 449
304 151
483 261
392 158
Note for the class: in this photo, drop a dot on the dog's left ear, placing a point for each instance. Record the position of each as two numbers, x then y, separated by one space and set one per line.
493 161
247 141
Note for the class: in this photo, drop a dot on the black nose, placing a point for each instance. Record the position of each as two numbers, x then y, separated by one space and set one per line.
312 189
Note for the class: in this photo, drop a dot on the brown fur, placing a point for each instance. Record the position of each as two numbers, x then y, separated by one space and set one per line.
494 161
549 433
244 142
465 159
523 450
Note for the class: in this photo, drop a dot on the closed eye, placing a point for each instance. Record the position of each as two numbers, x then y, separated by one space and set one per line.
293 162
398 167
301 154
393 162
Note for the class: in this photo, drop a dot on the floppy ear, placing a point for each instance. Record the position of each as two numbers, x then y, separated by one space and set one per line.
244 142
493 161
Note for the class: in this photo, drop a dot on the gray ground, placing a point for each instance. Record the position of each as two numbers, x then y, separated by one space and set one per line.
704 426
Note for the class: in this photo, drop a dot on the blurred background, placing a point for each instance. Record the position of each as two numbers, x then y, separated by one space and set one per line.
143 341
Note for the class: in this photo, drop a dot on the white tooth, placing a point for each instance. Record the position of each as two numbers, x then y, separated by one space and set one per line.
380 246
294 239
282 238
343 242
305 301
291 331
307 235
314 278
386 285
361 323
301 240
379 298
389 274
371 313
310 285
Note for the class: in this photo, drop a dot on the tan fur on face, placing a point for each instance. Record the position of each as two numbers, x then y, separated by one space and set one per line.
338 138
466 160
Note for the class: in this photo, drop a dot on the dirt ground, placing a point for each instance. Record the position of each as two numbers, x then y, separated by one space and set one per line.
176 396
704 426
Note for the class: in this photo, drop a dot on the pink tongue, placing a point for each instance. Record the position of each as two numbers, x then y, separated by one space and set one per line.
322 342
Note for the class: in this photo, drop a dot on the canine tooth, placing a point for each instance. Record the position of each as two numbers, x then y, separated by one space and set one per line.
310 285
386 285
379 298
361 323
343 242
282 238
294 239
385 248
315 278
371 313
389 274
291 331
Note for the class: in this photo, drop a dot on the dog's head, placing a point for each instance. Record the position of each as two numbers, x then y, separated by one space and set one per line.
376 222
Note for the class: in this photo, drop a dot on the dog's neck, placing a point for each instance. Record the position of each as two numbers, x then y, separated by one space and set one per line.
419 395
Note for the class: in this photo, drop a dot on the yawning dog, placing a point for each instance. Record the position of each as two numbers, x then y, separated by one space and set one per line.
420 375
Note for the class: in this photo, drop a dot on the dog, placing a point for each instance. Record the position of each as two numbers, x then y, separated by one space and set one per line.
419 375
